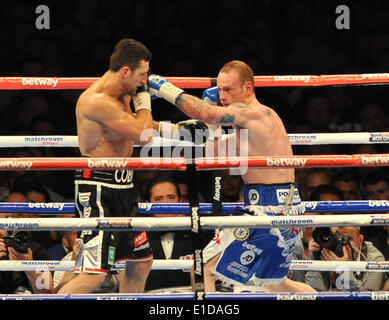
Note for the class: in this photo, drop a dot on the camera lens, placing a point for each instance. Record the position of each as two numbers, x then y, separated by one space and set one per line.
322 236
21 239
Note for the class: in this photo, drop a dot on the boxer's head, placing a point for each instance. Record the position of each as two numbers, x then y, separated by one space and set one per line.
235 82
131 58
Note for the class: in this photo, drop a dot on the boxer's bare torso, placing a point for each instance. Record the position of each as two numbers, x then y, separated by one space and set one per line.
95 138
266 132
106 127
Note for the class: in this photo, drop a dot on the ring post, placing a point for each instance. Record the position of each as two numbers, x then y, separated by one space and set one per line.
195 228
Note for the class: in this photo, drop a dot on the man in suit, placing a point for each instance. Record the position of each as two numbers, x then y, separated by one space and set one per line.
169 245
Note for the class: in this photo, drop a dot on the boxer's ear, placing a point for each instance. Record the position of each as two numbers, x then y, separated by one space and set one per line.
125 71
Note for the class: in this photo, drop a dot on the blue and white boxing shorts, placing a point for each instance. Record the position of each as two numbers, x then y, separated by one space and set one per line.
260 255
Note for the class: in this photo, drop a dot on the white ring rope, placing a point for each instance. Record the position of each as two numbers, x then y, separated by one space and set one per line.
355 295
294 138
178 264
184 223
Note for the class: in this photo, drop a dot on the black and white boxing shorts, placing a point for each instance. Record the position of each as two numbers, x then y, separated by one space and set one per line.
101 194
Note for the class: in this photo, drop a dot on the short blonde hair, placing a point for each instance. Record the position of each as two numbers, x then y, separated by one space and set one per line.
244 70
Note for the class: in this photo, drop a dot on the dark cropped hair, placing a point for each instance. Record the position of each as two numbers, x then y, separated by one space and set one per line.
25 187
347 176
161 179
128 52
323 189
375 177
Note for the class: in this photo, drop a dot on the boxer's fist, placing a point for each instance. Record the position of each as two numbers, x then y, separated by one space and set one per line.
192 130
142 98
160 87
211 96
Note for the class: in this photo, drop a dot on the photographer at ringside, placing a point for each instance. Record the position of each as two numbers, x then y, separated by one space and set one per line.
343 244
18 245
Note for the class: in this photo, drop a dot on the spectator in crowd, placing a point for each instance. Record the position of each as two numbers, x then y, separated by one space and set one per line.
60 250
313 178
364 172
169 245
356 250
375 187
372 117
348 182
35 192
386 286
23 281
183 186
381 242
231 186
318 113
322 192
142 178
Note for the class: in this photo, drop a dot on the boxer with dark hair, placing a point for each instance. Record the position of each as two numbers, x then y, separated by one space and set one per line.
107 127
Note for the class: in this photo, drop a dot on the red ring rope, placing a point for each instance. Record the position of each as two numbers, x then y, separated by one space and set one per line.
58 83
357 160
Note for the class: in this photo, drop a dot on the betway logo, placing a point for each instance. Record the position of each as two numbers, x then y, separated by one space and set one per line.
42 205
375 75
285 162
252 248
9 164
52 82
375 160
292 78
145 205
106 163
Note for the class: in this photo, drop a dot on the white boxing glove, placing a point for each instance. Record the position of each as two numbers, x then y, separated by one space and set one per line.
142 99
160 87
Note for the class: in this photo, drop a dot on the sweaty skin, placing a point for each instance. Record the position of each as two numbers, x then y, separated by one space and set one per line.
267 135
106 126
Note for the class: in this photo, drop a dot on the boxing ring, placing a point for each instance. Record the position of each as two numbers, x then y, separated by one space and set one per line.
199 215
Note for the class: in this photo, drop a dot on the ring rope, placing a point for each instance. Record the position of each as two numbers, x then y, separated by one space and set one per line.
181 264
294 138
184 223
291 80
65 83
356 295
205 208
210 163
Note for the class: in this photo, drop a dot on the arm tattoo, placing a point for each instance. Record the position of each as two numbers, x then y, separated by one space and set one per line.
190 105
266 112
198 109
227 119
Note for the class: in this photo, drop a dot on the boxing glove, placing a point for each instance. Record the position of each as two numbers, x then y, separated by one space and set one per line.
160 87
142 98
192 130
211 96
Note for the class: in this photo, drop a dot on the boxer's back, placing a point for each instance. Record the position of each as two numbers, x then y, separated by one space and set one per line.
267 137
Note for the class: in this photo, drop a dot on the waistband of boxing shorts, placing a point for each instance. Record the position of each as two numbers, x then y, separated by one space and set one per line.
122 177
270 194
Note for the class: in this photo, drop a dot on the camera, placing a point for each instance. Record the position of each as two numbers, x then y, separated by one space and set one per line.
331 240
21 241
